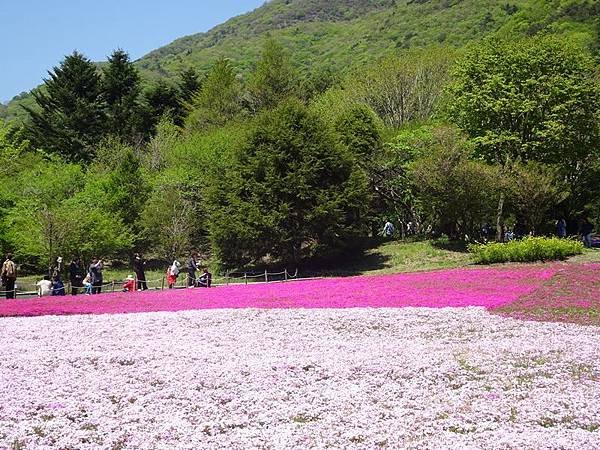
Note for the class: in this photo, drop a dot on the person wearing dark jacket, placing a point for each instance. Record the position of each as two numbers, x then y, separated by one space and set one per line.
96 275
75 275
138 269
586 230
192 266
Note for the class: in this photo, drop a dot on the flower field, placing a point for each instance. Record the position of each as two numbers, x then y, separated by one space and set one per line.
351 378
426 361
438 289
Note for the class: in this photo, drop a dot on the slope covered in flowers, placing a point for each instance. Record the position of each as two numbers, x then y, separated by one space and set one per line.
571 295
489 287
296 378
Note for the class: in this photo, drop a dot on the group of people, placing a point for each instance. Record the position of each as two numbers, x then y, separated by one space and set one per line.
173 272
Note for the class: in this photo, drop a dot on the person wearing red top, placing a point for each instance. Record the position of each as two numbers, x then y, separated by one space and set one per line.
129 285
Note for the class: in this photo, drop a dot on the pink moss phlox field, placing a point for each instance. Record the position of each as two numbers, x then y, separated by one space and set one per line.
572 295
356 379
439 289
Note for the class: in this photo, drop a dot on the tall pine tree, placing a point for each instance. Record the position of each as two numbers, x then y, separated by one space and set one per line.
69 117
121 86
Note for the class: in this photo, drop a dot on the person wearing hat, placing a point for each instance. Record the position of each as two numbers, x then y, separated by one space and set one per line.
129 285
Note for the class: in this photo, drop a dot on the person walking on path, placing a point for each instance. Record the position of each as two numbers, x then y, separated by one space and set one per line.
96 275
75 275
138 269
9 276
192 267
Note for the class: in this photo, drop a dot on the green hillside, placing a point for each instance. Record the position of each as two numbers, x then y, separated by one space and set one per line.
341 34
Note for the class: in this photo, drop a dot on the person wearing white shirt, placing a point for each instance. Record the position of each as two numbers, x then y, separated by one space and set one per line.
44 287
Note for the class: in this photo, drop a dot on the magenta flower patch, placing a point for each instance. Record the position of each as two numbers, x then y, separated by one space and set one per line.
490 288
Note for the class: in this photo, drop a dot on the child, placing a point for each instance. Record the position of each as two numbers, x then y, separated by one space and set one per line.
129 285
87 284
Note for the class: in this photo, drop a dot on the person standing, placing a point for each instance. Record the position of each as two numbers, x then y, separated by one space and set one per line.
75 275
388 229
192 267
586 232
96 275
172 274
9 276
561 228
138 269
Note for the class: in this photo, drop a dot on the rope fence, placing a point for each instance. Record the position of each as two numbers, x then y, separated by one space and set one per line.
231 278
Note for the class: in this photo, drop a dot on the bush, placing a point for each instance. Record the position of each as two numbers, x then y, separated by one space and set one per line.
526 250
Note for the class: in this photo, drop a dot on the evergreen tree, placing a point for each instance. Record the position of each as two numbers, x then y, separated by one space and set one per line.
189 84
160 99
219 99
274 78
121 88
69 117
292 192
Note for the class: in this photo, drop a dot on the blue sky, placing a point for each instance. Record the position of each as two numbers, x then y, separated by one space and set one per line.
36 34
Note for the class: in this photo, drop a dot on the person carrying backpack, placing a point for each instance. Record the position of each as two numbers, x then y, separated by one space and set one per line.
9 277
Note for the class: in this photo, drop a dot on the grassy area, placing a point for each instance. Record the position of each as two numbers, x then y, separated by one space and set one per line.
401 256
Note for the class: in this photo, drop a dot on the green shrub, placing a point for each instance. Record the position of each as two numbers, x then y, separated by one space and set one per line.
526 250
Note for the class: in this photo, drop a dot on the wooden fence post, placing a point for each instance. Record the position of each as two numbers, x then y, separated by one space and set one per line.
286 274
245 277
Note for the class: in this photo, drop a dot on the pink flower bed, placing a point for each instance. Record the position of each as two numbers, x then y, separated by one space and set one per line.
573 295
490 288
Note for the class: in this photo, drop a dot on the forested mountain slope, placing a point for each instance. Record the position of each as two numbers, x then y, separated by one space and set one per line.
341 34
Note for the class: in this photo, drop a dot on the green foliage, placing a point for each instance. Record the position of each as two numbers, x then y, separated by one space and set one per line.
116 182
219 100
360 132
527 100
121 89
405 87
159 100
274 78
535 189
292 191
526 250
70 115
456 192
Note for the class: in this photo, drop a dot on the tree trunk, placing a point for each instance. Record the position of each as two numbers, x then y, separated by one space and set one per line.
499 221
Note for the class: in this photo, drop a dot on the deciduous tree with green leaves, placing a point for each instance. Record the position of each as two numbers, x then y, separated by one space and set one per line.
528 100
218 101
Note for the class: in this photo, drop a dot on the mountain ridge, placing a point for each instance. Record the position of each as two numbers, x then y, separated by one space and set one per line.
343 34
